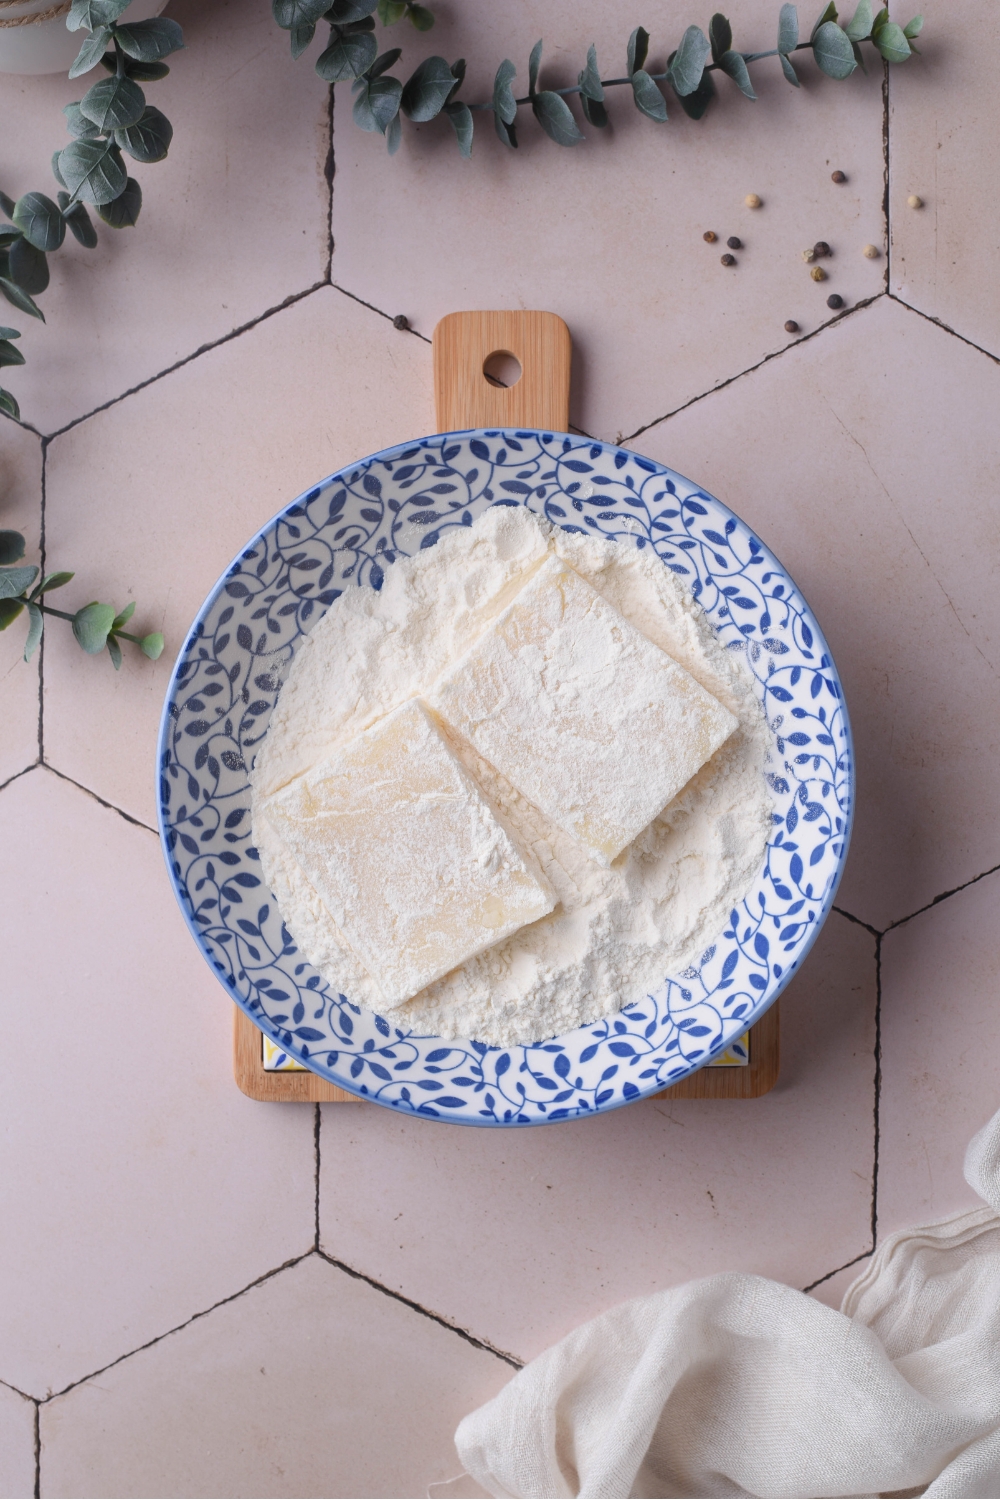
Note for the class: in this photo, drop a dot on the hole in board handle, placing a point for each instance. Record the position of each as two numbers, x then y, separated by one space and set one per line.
502 368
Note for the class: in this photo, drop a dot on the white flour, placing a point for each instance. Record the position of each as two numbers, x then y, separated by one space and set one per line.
615 933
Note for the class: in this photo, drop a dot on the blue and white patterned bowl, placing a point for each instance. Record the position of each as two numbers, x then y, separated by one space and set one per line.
344 534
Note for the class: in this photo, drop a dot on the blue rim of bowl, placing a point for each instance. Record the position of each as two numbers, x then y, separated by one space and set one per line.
380 1065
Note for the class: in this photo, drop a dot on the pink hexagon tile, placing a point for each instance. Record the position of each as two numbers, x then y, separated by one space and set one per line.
133 1170
234 220
17 1445
940 1033
609 234
20 510
518 1236
943 253
851 456
314 1383
202 459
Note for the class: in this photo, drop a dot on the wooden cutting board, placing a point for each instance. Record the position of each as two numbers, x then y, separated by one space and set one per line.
466 396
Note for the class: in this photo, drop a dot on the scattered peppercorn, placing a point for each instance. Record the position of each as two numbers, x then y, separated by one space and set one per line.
729 260
821 248
808 256
791 326
400 321
734 242
838 176
817 273
835 301
914 201
752 201
871 252
710 236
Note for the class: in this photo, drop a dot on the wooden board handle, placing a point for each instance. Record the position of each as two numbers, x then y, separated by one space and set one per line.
463 396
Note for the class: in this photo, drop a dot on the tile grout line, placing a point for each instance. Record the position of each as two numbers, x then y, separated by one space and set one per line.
463 1333
317 1126
945 327
856 920
3 787
37 1424
138 823
329 173
876 1112
372 308
865 1255
938 899
41 644
885 175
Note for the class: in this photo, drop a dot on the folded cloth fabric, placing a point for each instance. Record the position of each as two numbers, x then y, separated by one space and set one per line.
736 1385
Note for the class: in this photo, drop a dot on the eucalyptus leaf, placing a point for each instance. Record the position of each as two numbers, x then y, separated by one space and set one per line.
880 19
391 11
91 626
859 56
589 80
534 63
10 354
833 51
892 43
507 133
94 171
19 298
828 13
689 61
394 134
35 623
81 227
113 104
77 124
421 17
556 118
860 25
8 234
151 645
11 542
301 36
636 50
460 116
7 204
28 267
377 103
142 72
648 99
385 61
346 12
54 163
149 41
94 13
9 608
14 581
734 65
115 652
149 138
53 581
9 405
123 211
349 55
504 105
720 35
91 53
789 71
594 111
40 221
788 29
426 91
458 73
913 28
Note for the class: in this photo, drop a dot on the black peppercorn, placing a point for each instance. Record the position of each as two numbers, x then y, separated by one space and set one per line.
821 248
710 236
734 242
834 301
400 321
838 176
729 260
791 326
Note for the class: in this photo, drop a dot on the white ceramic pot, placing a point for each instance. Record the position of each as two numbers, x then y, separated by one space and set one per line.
34 37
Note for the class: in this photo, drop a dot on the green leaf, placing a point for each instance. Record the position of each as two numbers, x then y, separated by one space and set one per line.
7 204
347 12
123 617
90 14
40 221
8 234
833 51
9 405
149 138
115 652
635 52
648 99
421 17
461 118
860 24
52 581
689 61
82 229
534 62
91 626
384 61
892 43
788 29
14 581
880 19
829 13
426 91
913 28
696 104
152 645
123 211
556 118
377 104
77 124
859 56
458 73
91 52
19 298
590 79
113 104
789 71
148 41
28 268
733 64
301 36
391 11
10 354
9 611
504 106
720 35
35 623
11 542
594 111
291 13
94 170
507 133
394 133
142 72
349 55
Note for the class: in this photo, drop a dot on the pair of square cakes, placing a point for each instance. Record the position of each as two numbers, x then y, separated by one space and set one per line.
580 712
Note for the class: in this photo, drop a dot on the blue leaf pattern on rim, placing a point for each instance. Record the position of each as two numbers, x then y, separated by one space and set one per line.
345 533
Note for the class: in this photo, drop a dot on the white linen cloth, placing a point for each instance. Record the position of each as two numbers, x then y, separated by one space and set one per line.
736 1385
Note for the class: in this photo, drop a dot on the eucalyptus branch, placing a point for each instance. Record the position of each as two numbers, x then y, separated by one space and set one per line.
112 117
381 99
95 626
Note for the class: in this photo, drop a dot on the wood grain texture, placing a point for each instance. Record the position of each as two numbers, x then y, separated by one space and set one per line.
276 1088
750 1082
463 396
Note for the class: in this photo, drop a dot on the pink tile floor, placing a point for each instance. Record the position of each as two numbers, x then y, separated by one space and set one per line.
206 1296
